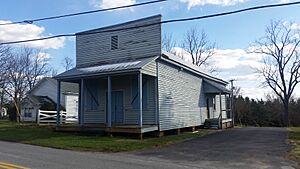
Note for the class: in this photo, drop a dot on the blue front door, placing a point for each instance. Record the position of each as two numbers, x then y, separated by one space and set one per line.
117 107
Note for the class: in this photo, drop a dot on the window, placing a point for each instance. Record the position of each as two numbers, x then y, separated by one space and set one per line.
92 102
134 101
28 112
114 44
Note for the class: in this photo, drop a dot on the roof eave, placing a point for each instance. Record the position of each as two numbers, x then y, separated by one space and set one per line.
194 71
96 74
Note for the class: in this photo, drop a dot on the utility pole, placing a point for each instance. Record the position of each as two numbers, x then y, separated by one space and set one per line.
231 101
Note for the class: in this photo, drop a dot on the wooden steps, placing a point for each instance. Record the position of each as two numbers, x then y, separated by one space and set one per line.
211 123
215 123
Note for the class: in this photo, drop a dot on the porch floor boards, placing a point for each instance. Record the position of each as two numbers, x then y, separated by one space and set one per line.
104 128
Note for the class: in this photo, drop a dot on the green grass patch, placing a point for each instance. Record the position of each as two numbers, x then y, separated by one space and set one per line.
45 136
294 137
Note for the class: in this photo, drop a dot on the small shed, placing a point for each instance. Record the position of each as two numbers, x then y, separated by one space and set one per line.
43 97
32 104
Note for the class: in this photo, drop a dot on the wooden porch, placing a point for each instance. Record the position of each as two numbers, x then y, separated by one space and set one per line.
134 129
118 106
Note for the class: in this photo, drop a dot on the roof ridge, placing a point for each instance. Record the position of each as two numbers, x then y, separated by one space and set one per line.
120 24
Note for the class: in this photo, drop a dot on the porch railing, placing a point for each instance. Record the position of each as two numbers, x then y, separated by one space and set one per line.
49 117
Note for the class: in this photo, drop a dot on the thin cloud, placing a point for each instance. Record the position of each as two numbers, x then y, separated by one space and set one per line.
235 64
18 32
103 4
193 3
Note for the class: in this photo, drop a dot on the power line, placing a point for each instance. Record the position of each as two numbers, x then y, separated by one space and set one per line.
157 23
81 13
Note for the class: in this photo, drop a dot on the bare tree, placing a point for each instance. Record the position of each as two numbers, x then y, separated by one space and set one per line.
23 70
280 48
168 42
4 55
16 81
52 72
198 47
68 63
36 65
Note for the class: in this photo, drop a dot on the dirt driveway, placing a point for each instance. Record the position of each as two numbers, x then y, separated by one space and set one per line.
234 148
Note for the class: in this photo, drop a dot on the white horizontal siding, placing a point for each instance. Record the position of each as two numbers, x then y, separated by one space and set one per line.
47 88
223 104
71 105
150 68
133 43
179 97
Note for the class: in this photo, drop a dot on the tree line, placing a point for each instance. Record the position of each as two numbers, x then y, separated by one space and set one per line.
269 112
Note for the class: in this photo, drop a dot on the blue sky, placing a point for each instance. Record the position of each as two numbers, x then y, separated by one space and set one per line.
232 34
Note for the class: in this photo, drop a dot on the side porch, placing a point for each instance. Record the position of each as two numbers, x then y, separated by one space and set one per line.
218 106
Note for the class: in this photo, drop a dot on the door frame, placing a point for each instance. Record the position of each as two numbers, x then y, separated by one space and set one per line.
123 109
207 107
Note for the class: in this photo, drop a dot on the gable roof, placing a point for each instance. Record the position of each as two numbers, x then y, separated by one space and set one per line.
135 65
214 88
65 86
191 67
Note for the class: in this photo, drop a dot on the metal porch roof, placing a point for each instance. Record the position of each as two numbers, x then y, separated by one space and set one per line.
126 66
214 88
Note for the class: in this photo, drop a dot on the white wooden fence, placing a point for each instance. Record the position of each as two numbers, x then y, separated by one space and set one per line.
48 117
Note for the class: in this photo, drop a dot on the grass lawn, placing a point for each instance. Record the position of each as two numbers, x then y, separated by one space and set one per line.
46 136
294 137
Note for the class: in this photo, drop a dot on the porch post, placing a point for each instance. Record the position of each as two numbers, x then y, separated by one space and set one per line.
140 98
58 103
108 101
156 100
231 109
221 110
82 87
